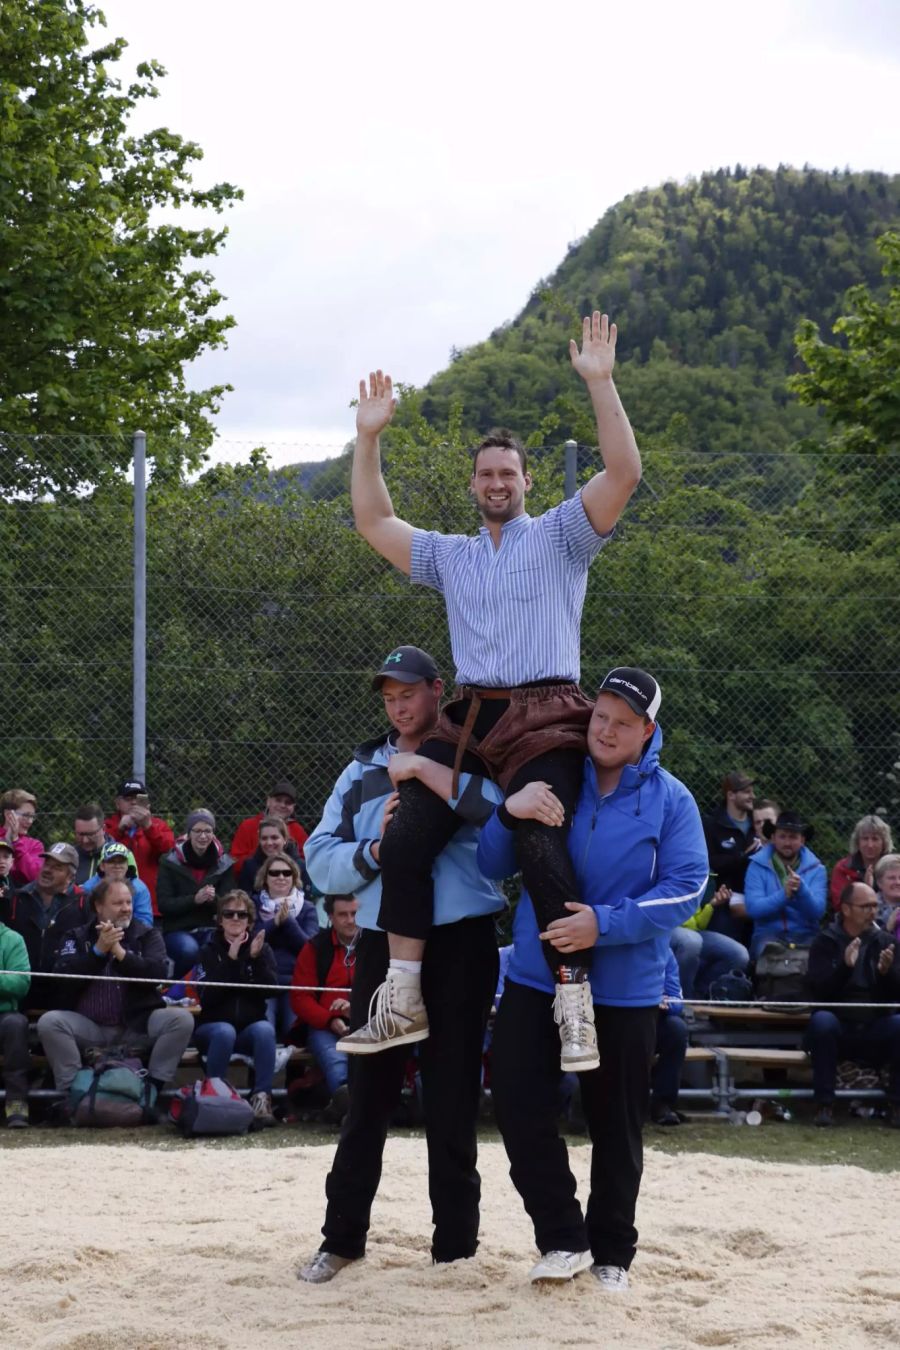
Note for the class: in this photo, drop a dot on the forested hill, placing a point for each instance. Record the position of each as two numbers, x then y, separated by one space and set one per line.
707 282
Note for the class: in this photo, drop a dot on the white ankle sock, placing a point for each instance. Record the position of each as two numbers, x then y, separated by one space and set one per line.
409 967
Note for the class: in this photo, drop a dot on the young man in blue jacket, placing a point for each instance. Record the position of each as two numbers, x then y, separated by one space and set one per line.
639 853
459 976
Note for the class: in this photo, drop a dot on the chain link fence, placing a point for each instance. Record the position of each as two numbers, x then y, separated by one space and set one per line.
760 590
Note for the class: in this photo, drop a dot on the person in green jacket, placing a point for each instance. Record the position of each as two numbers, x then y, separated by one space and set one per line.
703 955
14 1026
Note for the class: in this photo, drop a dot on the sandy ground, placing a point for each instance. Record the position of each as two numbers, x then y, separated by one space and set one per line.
127 1247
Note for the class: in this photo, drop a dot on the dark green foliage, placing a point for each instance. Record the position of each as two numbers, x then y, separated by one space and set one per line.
858 385
103 306
707 282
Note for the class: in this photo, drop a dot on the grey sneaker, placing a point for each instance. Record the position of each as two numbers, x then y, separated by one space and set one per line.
397 1016
560 1266
322 1268
613 1278
573 1011
262 1108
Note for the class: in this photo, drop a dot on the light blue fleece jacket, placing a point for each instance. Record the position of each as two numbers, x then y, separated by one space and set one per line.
141 904
641 862
776 919
338 853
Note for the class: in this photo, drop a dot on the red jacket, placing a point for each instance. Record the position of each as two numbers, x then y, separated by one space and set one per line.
246 838
844 871
315 1009
148 845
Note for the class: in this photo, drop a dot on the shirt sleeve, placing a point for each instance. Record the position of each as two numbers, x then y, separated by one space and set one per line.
572 533
430 549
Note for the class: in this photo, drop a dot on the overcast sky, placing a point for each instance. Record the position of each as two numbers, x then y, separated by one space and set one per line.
411 170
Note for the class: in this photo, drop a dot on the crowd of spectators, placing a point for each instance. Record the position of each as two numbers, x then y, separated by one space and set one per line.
126 897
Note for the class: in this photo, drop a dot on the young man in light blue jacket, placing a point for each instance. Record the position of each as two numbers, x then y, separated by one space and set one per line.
459 975
640 857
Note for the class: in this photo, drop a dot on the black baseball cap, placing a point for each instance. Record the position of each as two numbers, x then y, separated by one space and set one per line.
639 690
131 787
409 665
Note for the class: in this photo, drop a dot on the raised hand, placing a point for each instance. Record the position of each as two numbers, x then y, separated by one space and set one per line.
377 404
597 357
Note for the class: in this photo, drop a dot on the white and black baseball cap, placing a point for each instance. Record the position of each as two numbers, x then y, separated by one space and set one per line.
639 690
409 665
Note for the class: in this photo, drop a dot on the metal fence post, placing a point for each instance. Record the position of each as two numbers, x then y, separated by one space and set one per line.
139 666
571 465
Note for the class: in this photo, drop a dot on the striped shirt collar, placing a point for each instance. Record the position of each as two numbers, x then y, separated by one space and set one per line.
516 522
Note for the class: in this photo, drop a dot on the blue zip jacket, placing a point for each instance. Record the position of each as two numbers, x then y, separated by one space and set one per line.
338 853
641 862
774 918
141 904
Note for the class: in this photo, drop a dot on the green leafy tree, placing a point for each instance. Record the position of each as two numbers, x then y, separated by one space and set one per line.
103 305
858 384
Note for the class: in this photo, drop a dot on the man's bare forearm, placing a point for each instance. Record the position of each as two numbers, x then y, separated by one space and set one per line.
368 490
606 495
618 447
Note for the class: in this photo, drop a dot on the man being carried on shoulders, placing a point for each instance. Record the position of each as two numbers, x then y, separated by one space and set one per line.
514 594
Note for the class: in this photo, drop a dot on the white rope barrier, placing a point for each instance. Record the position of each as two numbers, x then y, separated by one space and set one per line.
182 979
802 1005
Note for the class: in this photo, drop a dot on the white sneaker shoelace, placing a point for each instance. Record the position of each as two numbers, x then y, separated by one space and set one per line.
573 1011
614 1278
382 1021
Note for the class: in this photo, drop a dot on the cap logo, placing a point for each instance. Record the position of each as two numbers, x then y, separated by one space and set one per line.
394 656
617 679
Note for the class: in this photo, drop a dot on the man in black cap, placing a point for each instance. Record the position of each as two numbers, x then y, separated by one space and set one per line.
459 975
147 837
280 802
786 885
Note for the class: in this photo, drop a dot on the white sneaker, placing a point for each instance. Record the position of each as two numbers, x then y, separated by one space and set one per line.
282 1057
397 1016
573 1012
560 1266
612 1278
322 1268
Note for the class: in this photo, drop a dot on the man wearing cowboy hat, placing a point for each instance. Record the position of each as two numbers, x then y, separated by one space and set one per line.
786 885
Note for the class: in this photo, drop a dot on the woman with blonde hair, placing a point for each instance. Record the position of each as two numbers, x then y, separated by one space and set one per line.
871 840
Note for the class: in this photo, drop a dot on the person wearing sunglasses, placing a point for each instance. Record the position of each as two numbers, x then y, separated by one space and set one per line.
233 1021
289 921
191 878
273 838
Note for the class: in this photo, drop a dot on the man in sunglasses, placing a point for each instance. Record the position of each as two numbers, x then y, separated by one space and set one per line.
459 974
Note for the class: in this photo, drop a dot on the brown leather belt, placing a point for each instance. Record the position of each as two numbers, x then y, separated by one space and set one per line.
475 696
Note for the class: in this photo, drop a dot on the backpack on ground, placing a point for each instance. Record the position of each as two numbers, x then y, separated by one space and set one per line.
781 975
210 1106
114 1091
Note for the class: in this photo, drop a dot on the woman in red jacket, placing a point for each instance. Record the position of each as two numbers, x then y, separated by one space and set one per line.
871 840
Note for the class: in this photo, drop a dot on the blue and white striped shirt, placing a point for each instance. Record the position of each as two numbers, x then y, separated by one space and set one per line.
515 611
